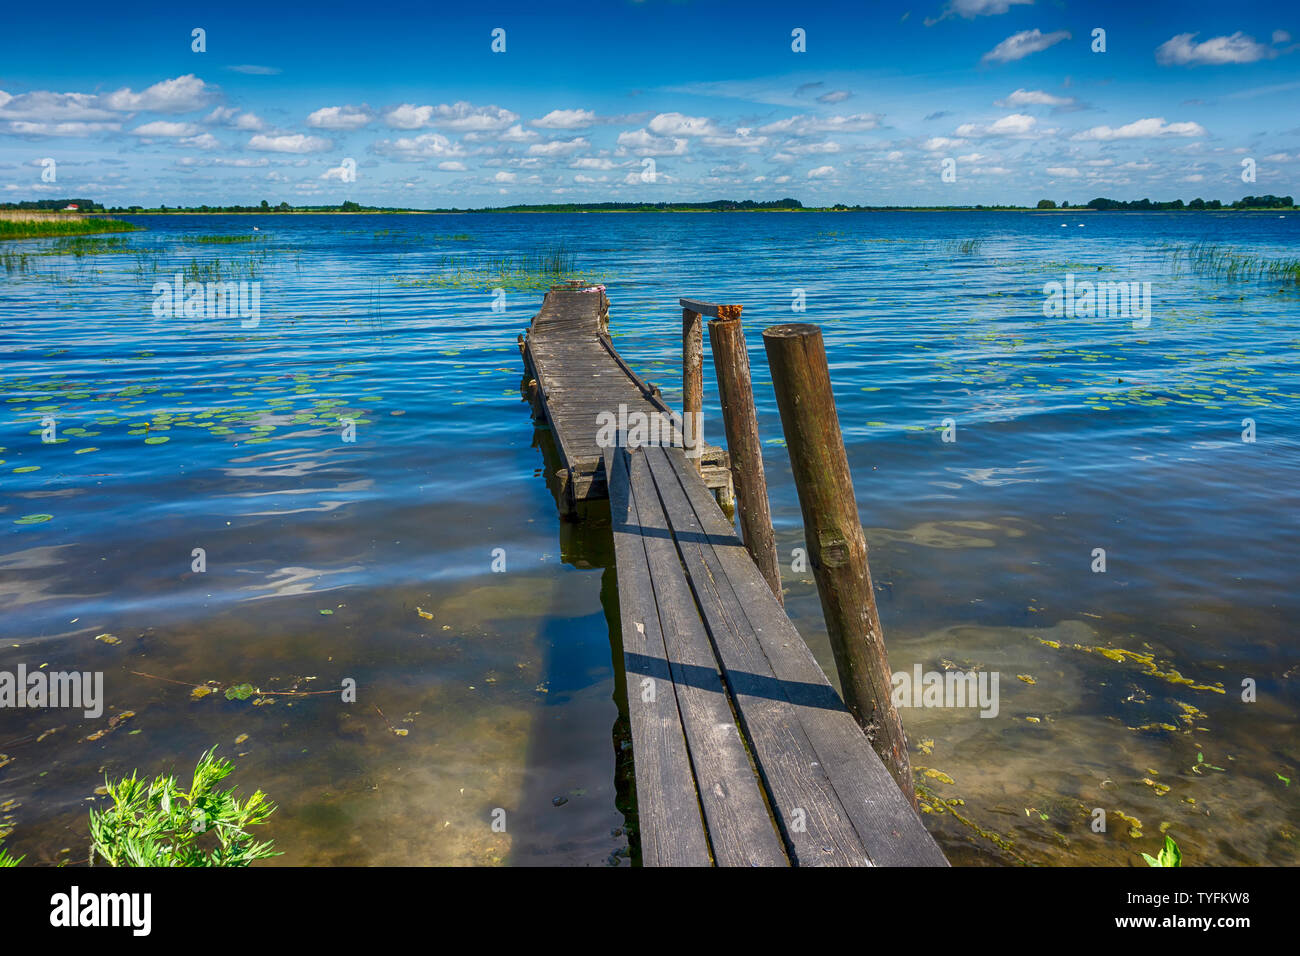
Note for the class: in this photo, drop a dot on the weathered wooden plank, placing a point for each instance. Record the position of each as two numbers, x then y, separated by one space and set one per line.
815 826
890 830
699 308
671 825
740 831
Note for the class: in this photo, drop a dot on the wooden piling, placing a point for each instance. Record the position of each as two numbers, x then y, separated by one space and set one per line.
837 548
736 393
693 379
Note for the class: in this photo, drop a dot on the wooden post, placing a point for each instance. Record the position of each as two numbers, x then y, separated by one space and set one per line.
731 362
693 379
837 548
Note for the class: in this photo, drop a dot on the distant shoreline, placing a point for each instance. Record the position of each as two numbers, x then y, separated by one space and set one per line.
1069 210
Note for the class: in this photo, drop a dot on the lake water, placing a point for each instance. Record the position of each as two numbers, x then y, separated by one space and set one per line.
372 560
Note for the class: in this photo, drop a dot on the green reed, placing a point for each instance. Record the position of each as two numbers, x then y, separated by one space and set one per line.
1217 261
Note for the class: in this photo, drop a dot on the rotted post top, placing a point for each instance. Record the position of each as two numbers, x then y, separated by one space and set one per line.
711 309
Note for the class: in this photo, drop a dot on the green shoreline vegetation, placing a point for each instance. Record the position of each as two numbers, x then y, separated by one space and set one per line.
44 225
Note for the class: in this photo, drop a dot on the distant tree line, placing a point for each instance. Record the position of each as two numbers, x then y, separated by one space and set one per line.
83 205
717 205
1246 202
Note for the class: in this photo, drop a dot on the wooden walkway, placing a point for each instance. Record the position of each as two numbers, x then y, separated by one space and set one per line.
744 754
573 374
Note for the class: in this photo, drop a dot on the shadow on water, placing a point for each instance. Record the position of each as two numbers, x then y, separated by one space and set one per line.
562 821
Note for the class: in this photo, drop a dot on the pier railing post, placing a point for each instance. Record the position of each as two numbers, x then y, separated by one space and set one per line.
693 382
736 392
837 548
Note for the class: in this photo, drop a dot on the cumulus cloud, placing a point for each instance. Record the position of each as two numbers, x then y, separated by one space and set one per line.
936 143
678 124
970 9
566 119
162 128
459 117
821 172
1017 124
181 95
1022 98
808 124
641 143
558 147
1022 44
1141 129
229 116
1183 50
340 117
289 143
424 146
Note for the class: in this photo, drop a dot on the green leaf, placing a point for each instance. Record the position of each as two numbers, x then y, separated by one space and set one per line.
239 692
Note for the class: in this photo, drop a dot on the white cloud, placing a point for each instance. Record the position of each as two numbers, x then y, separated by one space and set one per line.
342 173
1067 172
1141 129
592 162
424 146
558 147
678 124
290 143
821 172
834 96
517 134
1182 50
340 117
202 141
1017 124
229 116
181 95
1022 44
807 124
255 70
407 116
165 129
936 143
970 9
642 143
26 128
566 119
504 177
451 166
44 106
1034 98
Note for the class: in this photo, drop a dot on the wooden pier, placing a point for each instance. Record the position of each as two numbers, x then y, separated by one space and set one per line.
572 374
743 752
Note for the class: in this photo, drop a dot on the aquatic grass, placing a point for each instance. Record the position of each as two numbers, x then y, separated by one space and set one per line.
223 239
27 225
88 246
534 270
14 262
963 247
216 270
1217 261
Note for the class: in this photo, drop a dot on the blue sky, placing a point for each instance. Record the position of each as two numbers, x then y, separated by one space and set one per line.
399 103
